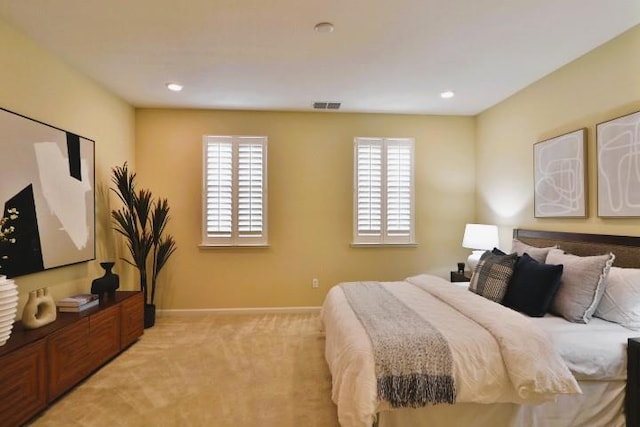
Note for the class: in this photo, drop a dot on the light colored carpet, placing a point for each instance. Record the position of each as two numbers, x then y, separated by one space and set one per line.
210 370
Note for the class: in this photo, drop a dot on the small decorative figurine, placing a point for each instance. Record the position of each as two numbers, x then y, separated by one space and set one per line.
107 284
39 310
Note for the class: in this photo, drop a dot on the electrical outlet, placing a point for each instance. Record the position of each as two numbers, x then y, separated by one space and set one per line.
315 283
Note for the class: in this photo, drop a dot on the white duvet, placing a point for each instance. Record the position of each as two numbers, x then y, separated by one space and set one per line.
596 351
498 355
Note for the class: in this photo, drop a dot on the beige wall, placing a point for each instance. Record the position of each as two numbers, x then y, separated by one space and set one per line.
37 85
599 86
310 203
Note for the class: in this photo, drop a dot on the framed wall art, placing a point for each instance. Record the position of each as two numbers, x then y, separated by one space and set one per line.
618 150
47 176
560 177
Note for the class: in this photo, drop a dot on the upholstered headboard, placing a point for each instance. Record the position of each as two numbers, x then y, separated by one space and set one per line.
625 248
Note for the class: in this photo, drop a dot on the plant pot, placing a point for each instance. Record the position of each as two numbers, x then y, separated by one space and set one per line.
149 315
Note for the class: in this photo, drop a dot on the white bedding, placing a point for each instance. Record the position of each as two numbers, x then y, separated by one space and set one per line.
596 351
600 405
507 359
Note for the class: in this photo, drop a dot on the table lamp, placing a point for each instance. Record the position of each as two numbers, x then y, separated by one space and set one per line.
479 238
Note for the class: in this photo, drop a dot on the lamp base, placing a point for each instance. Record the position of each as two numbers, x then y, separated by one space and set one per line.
473 259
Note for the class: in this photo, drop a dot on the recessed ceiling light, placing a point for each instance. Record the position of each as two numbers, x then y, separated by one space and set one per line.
324 27
174 87
447 94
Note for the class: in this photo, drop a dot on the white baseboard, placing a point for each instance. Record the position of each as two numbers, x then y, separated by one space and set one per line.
257 310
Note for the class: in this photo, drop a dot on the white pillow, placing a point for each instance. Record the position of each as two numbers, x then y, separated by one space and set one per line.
620 302
539 254
581 284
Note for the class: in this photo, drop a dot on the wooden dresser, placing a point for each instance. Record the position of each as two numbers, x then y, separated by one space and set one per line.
37 366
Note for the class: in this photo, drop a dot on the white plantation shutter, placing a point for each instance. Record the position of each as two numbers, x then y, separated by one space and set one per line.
234 190
369 187
383 191
218 194
399 187
250 188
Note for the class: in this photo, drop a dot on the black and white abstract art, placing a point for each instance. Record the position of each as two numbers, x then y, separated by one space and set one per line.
559 176
47 174
618 148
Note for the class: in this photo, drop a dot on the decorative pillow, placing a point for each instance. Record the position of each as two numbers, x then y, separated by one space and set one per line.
532 286
497 251
581 286
492 274
539 254
620 302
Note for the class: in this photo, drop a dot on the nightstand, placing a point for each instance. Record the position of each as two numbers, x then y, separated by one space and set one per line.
457 277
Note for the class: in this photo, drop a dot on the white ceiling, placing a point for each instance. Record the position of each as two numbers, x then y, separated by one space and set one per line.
392 56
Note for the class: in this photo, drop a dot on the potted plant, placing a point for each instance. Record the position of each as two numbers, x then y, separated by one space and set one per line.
142 221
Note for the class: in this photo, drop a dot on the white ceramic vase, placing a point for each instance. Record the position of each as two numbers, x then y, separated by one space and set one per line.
8 307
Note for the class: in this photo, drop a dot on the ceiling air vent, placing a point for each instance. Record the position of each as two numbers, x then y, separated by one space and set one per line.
326 105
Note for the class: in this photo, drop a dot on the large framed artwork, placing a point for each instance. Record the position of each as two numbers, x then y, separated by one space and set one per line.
47 175
560 176
618 148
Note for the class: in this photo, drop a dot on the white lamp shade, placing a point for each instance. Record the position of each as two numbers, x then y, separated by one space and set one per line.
480 236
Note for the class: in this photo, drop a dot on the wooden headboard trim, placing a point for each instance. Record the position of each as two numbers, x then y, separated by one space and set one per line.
604 239
625 248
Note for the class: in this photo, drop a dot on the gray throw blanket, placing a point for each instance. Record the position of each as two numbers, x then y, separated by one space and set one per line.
412 359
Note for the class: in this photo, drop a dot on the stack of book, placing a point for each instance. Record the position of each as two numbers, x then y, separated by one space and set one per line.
77 303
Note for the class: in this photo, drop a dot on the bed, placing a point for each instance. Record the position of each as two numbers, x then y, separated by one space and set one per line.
488 364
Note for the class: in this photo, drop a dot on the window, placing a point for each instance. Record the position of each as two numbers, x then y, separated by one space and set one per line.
234 191
383 191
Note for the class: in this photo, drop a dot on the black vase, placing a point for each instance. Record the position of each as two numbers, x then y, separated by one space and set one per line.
105 286
149 315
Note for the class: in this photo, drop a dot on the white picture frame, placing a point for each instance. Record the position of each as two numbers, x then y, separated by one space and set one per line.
618 152
560 186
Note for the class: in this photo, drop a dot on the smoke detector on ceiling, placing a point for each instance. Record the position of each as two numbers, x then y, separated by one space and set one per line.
324 27
325 105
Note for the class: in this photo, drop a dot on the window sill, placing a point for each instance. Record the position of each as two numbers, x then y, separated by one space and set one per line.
384 245
222 246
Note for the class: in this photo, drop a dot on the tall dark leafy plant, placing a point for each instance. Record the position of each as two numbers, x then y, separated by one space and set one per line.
142 221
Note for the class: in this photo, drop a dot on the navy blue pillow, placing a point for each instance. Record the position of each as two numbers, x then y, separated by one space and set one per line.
532 286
